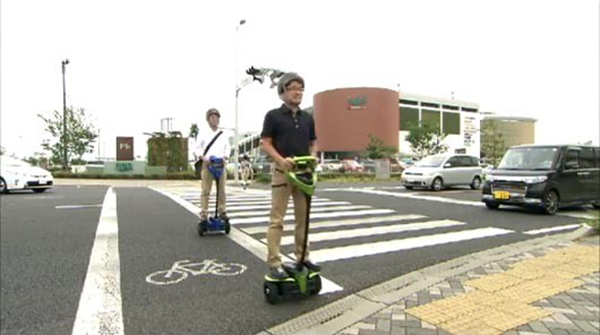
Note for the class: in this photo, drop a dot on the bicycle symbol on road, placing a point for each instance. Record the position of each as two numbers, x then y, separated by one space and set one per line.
179 271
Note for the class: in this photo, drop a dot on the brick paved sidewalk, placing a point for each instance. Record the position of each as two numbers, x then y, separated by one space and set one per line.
574 311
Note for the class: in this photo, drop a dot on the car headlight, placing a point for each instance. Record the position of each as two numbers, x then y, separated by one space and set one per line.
535 180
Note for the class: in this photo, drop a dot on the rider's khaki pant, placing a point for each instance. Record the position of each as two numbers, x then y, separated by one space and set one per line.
280 194
207 182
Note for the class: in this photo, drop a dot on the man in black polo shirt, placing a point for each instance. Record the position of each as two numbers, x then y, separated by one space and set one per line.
287 132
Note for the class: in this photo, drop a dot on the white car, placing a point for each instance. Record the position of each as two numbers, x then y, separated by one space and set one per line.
16 174
439 171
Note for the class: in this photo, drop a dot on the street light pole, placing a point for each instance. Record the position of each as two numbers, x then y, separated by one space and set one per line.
237 93
64 137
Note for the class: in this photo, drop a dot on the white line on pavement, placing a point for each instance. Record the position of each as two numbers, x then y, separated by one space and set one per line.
76 206
231 208
367 249
254 246
552 229
317 216
291 211
100 307
373 231
337 223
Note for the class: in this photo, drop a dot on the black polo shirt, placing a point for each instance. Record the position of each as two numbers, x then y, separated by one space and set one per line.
291 133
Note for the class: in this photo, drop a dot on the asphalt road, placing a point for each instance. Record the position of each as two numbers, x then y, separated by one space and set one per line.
46 249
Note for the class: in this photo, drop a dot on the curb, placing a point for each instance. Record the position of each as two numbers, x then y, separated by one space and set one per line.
351 309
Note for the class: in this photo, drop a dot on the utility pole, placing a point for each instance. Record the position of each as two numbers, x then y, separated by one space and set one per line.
64 137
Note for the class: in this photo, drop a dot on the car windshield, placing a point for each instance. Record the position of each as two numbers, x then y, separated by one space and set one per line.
431 161
8 161
539 158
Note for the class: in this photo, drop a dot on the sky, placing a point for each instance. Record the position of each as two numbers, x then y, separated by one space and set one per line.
133 63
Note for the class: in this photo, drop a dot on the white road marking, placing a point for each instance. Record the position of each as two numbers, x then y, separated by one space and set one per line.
291 211
337 223
76 206
372 231
254 246
268 206
552 229
368 249
317 216
100 306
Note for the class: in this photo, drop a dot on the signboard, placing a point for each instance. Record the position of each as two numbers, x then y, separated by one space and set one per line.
124 148
470 128
357 102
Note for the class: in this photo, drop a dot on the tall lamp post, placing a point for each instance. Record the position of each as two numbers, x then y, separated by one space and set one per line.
64 137
237 93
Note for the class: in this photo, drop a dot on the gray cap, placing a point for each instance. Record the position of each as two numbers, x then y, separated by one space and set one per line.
212 111
286 79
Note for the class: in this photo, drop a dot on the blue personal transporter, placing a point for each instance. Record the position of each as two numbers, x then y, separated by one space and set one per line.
215 223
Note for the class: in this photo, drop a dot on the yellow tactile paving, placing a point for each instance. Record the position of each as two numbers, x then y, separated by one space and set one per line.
494 282
500 301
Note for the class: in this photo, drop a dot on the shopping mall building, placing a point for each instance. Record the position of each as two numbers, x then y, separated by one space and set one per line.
345 118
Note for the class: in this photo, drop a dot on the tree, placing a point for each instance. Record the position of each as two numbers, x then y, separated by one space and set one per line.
38 159
425 140
492 142
377 149
79 137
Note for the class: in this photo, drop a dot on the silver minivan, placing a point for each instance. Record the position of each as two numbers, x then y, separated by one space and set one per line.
439 171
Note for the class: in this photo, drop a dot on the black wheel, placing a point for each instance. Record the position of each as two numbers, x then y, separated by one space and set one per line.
271 291
551 202
39 190
408 187
476 183
437 184
492 204
227 227
3 186
318 285
596 204
201 228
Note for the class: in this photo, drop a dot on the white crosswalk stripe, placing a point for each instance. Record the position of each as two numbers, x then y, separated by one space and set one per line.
317 216
291 211
372 231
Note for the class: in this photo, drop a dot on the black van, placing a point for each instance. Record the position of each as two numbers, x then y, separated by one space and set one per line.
545 176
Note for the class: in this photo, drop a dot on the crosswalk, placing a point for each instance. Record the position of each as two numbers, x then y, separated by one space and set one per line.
341 230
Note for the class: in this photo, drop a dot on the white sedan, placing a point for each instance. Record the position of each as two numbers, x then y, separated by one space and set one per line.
16 174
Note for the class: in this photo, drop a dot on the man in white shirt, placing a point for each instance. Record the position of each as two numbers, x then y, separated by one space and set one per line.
220 149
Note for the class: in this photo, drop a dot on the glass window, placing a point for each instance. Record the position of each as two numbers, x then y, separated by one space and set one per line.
465 161
455 162
408 117
586 159
573 158
431 161
431 118
451 123
536 158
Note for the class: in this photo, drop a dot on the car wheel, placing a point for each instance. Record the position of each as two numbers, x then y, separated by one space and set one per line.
39 190
551 202
476 183
437 184
492 205
408 187
3 186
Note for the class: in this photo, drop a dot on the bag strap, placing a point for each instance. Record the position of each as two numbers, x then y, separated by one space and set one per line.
211 142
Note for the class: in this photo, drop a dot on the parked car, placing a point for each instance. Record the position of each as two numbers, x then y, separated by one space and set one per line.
439 171
368 166
332 165
350 165
549 177
261 164
405 163
16 174
396 165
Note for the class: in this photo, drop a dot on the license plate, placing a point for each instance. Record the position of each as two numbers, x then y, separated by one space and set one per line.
42 182
502 195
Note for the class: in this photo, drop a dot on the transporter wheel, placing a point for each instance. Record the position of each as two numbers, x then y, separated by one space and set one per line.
596 204
318 285
271 291
39 190
201 228
227 227
3 186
